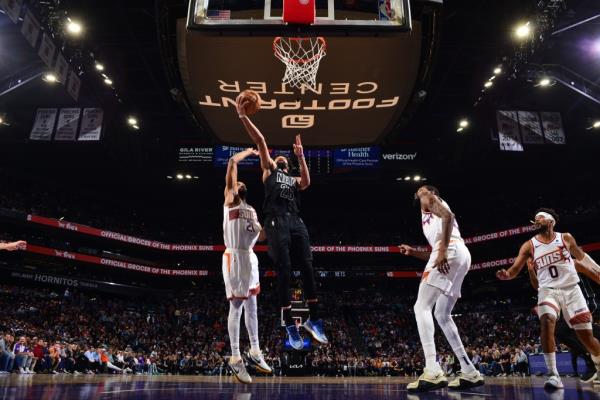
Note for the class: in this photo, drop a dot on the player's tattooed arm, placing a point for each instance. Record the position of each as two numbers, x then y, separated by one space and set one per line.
304 180
532 274
438 209
525 253
411 251
255 134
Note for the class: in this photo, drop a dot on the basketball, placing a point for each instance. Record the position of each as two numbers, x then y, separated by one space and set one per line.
254 101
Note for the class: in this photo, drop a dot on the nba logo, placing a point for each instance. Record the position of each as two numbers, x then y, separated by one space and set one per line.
385 10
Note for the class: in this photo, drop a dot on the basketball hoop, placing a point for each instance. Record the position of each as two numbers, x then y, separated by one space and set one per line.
301 56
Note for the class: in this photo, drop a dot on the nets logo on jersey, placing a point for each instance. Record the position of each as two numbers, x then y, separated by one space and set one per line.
561 254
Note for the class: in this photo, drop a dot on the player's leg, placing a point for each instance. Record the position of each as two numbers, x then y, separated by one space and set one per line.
303 253
568 337
579 318
278 232
433 376
251 319
549 311
236 363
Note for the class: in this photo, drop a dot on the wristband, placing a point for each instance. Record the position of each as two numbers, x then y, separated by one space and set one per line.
242 116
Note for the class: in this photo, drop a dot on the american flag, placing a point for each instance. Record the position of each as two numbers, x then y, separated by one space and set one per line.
219 14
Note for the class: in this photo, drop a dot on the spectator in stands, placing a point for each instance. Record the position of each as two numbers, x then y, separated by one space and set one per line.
7 356
23 357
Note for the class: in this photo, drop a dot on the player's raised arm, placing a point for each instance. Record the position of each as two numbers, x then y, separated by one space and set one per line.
304 180
231 180
525 253
266 163
12 246
583 262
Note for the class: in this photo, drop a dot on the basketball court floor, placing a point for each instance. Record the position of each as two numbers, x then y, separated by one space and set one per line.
49 387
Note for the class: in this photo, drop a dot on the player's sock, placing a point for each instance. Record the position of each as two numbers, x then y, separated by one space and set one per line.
251 320
551 363
233 327
313 309
287 316
443 315
423 314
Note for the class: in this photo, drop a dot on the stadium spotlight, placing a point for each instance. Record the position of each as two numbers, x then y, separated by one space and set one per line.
132 121
523 31
108 81
416 178
179 176
74 27
497 71
50 78
188 176
488 84
544 82
99 67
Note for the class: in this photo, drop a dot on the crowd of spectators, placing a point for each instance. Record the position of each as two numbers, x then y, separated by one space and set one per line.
372 333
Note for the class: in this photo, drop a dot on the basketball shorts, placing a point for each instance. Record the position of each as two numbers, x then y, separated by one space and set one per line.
459 261
570 301
240 274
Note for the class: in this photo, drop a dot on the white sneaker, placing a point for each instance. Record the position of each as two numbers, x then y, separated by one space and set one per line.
55 372
22 371
76 373
259 362
238 369
466 380
553 383
429 380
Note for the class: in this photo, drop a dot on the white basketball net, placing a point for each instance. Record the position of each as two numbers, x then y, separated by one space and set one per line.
301 57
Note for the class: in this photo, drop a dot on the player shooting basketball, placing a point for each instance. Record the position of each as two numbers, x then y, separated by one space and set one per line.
447 265
241 230
285 229
552 253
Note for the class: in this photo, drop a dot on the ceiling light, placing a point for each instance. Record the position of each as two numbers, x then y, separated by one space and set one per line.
463 123
544 82
196 177
497 70
460 129
74 27
136 127
523 31
416 178
188 176
488 84
99 67
596 124
50 78
169 177
108 81
179 176
407 178
132 121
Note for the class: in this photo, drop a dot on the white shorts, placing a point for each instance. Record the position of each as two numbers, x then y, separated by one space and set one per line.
240 274
572 303
459 261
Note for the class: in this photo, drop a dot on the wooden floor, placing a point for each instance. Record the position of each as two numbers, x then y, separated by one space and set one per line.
62 387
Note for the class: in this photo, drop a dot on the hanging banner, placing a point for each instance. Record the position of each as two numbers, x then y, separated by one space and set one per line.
61 69
74 85
68 120
12 8
357 157
553 128
508 131
47 49
531 127
30 28
91 124
43 126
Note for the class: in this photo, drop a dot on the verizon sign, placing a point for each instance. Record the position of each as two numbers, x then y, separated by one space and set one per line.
399 156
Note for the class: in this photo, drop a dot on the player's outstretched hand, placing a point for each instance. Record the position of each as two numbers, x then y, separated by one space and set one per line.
502 275
406 250
298 149
18 245
240 105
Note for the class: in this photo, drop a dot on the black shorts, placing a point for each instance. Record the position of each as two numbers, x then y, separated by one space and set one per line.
288 239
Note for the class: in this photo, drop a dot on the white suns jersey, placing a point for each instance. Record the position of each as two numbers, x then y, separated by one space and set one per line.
432 227
240 227
553 263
